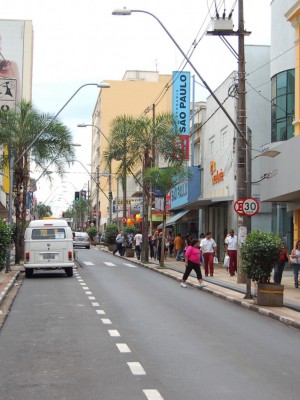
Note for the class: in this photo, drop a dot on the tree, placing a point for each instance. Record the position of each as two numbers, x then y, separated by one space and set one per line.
18 130
135 143
165 179
42 210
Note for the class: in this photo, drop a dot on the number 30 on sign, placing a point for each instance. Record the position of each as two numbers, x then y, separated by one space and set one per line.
248 206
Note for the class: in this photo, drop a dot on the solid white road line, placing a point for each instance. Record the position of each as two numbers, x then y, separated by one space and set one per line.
153 394
109 264
123 348
136 368
113 333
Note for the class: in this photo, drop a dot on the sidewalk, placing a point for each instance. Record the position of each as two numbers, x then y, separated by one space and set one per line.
224 286
7 280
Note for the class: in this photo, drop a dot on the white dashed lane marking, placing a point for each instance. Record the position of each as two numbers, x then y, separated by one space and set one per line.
153 394
88 263
123 348
109 264
130 265
106 321
136 368
113 333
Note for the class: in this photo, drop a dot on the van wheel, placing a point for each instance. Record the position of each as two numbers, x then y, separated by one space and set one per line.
69 271
28 273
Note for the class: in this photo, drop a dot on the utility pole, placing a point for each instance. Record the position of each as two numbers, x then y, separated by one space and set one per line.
97 198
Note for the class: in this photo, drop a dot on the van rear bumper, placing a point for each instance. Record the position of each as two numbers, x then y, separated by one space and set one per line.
49 266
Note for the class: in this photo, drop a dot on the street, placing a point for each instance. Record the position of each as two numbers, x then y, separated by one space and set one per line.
118 331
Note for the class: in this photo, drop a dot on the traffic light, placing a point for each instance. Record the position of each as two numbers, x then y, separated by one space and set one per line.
77 196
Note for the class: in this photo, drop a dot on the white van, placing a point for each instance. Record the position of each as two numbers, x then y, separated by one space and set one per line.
48 245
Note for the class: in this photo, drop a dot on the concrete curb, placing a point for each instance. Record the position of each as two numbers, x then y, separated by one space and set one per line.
7 288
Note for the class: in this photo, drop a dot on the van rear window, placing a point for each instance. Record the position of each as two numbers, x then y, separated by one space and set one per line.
48 234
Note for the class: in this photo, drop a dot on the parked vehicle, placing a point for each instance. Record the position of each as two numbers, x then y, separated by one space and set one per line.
48 246
81 239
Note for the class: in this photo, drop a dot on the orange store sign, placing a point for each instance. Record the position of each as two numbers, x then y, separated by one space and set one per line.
217 175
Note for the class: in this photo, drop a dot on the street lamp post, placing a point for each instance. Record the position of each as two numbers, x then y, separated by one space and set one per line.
245 178
109 172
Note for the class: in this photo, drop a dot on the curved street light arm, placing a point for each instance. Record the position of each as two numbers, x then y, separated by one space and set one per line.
128 12
101 85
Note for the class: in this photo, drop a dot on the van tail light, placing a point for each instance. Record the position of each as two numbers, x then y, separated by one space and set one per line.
27 256
70 255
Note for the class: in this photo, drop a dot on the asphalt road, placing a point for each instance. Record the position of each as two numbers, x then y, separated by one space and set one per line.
116 331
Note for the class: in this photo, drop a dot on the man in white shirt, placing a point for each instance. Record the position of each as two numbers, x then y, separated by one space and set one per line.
209 250
231 246
138 243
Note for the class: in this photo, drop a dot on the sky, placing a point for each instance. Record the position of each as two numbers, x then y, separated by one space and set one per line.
78 42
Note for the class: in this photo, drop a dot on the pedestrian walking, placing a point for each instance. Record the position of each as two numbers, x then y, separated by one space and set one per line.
155 236
280 264
209 250
178 243
119 240
231 247
192 262
295 261
137 244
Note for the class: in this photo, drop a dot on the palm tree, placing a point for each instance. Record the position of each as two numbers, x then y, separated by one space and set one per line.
135 143
165 179
18 129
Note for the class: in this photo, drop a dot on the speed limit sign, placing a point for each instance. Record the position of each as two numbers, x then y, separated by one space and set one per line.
250 206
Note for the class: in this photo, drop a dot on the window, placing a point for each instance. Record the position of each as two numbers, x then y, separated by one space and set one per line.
47 234
211 146
283 105
224 138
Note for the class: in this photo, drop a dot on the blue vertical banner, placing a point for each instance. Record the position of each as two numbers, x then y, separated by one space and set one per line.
181 107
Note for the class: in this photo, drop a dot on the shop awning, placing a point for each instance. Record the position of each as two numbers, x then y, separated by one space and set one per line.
170 221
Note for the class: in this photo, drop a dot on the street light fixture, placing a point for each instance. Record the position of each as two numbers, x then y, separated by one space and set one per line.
109 173
246 186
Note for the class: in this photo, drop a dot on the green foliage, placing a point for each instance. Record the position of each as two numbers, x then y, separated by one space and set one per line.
259 253
42 211
164 179
5 239
92 232
111 232
129 230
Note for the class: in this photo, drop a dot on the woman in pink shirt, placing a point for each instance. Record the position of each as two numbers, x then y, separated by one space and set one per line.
192 262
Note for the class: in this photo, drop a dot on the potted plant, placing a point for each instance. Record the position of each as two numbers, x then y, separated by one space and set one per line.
111 232
259 254
129 232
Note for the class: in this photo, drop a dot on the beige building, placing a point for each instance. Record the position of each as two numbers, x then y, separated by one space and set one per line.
134 96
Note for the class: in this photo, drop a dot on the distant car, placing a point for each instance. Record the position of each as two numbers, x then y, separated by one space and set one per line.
81 239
